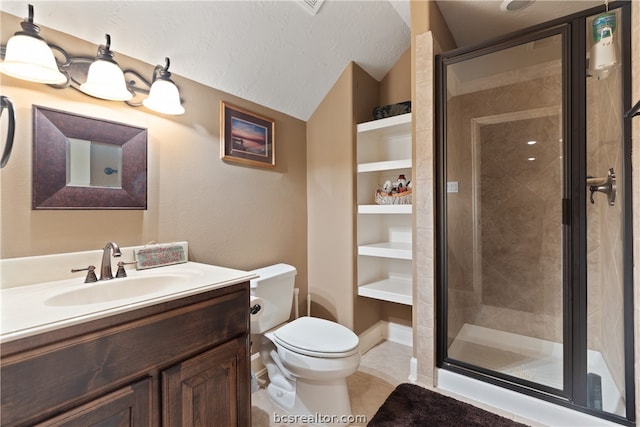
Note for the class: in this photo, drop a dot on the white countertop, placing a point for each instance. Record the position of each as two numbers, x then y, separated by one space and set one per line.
31 309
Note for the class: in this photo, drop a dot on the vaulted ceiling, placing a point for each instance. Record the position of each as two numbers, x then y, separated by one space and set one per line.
275 53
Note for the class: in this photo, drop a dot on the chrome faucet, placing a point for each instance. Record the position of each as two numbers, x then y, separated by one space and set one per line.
105 269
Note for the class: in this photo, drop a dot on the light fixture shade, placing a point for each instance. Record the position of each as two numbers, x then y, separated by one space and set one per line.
164 98
30 58
105 80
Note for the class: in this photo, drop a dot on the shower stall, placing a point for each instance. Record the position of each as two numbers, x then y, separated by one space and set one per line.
534 217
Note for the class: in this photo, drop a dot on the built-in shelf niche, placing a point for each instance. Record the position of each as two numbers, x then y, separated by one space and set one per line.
384 232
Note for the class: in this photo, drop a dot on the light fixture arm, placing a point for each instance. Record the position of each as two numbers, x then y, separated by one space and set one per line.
162 72
136 84
104 51
28 27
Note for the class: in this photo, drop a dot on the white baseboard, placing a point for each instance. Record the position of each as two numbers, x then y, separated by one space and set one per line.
400 334
256 364
372 336
413 370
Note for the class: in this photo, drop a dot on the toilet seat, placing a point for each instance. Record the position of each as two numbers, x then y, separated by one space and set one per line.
317 337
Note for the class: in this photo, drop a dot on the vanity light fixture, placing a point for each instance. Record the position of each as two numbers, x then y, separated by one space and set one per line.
28 57
105 79
163 95
98 76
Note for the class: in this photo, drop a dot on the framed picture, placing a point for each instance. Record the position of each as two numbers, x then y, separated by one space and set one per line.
246 137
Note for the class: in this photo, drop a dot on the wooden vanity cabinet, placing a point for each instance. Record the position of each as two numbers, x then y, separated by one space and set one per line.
180 363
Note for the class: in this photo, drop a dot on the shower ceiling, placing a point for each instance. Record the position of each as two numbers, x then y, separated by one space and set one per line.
474 21
274 52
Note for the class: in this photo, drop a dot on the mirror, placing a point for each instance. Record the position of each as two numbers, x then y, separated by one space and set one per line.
93 164
87 163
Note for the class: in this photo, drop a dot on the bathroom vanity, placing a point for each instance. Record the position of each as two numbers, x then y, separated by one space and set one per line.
179 358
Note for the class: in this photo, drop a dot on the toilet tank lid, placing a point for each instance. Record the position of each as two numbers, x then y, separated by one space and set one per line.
272 271
317 335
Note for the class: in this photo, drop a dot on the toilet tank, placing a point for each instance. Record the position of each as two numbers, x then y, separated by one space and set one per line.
274 287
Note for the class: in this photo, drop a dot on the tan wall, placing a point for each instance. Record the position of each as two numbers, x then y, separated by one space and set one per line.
331 195
396 85
330 203
426 16
231 215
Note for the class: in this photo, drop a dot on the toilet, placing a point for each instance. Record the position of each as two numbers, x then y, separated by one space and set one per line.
307 359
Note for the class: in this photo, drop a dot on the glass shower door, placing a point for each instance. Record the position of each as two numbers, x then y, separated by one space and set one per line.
534 257
504 227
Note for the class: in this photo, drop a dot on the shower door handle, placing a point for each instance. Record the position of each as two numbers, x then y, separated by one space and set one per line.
603 185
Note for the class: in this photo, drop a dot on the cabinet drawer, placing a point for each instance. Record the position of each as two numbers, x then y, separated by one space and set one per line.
44 381
129 406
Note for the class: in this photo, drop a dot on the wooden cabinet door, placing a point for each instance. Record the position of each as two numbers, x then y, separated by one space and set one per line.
127 407
211 389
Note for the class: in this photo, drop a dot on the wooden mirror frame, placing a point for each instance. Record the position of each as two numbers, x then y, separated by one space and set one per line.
51 128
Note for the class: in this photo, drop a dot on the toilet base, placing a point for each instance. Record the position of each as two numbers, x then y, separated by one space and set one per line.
321 403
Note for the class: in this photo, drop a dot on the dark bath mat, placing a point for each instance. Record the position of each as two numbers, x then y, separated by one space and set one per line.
411 406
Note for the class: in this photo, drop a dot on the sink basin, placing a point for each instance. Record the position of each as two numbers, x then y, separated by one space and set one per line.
115 289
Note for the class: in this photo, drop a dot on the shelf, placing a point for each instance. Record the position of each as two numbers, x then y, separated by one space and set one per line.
385 165
393 289
396 250
389 125
384 232
385 209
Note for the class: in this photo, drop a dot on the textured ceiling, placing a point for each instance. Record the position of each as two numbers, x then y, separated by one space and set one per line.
274 53
474 21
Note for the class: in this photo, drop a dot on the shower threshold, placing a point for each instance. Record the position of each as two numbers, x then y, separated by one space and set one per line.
528 358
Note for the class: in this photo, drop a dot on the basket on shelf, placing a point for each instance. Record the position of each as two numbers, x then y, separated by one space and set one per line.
383 198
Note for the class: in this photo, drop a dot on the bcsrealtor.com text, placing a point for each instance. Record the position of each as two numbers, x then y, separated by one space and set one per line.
318 418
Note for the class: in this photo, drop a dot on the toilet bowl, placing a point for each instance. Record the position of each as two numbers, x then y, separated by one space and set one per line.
307 359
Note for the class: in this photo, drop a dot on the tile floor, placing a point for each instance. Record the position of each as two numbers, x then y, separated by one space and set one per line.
381 369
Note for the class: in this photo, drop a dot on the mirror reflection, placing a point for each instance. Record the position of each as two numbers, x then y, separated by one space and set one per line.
93 164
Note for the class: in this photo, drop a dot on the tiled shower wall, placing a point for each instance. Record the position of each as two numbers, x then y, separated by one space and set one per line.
605 327
520 217
517 197
423 153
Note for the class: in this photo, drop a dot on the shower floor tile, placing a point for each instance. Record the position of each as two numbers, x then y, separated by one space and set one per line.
532 359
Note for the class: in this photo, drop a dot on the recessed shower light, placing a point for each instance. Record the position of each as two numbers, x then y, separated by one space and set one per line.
513 5
532 142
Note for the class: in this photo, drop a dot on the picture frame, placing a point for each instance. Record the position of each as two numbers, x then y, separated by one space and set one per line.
245 137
